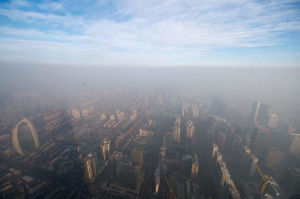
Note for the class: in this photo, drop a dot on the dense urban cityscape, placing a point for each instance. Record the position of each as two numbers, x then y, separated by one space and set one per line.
149 99
145 144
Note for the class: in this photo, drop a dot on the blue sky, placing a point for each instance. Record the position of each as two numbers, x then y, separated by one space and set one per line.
239 33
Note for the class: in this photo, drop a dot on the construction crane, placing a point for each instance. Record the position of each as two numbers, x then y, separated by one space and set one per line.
265 180
171 189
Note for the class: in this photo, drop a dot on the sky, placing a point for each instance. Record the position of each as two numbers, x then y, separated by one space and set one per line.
235 33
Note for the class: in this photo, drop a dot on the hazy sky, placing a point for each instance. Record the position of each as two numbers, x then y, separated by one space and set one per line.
151 32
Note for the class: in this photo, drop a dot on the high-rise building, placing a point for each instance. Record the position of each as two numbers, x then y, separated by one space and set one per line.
259 113
137 155
195 111
254 111
195 167
295 145
129 175
102 116
235 144
274 157
176 129
292 181
157 180
184 109
220 139
225 185
263 114
84 113
133 115
176 134
248 162
75 114
261 139
215 149
273 121
120 115
178 120
190 129
145 133
105 147
90 167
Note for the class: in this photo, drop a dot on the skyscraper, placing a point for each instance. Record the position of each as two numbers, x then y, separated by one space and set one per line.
254 111
263 115
190 129
195 167
274 157
137 155
90 167
176 129
295 145
273 120
248 162
195 111
259 113
105 147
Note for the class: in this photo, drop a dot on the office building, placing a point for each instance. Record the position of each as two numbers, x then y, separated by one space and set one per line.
129 176
273 121
215 149
274 157
90 167
105 148
137 155
84 113
102 116
176 129
145 133
259 113
254 111
292 181
226 188
195 111
295 145
190 129
184 109
248 162
75 114
263 115
195 167
157 180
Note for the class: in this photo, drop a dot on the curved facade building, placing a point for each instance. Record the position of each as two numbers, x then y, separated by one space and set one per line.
15 137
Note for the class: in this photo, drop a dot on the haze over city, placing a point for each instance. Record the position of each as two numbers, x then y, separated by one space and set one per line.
169 99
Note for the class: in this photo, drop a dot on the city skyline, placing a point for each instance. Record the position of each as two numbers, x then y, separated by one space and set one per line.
150 33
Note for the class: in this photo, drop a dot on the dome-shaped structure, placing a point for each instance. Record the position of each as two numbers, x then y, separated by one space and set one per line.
15 137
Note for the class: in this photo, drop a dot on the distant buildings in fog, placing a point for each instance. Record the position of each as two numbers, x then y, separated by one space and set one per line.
176 129
260 115
105 148
90 167
190 129
295 146
274 157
